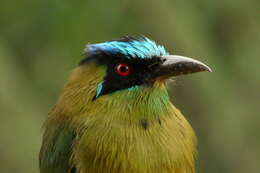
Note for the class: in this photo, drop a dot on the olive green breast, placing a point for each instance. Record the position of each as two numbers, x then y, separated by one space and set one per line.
144 133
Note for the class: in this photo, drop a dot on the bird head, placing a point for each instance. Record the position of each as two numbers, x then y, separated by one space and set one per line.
123 72
118 87
131 63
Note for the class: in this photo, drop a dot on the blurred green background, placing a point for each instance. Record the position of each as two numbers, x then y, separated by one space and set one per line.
42 41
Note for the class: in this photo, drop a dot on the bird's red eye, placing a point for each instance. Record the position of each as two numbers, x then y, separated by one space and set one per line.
123 69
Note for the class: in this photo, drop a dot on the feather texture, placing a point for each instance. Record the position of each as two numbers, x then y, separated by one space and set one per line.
131 131
132 48
56 149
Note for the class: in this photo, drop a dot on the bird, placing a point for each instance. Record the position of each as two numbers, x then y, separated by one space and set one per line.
114 115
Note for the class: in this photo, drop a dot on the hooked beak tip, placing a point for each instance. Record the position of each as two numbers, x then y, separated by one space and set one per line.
206 68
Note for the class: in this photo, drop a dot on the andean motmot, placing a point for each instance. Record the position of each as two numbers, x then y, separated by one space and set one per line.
114 115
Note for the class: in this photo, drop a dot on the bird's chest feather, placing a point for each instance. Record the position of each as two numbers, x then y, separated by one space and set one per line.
136 144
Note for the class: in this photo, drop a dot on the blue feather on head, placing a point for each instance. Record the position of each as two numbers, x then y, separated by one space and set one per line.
127 47
130 47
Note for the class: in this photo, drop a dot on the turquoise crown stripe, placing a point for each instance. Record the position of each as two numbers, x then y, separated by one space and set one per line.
140 48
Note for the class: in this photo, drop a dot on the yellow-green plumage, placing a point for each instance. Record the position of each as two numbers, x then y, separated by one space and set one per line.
110 136
128 125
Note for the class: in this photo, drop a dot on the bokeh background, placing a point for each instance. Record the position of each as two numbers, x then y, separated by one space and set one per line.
42 41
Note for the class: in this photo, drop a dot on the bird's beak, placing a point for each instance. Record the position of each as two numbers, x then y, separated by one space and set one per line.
175 65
